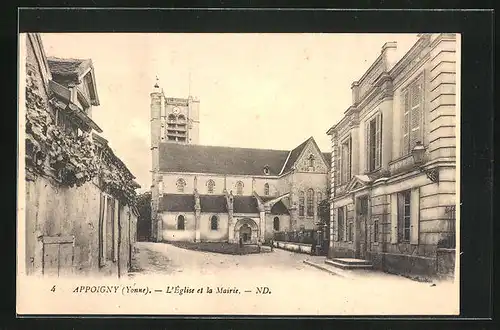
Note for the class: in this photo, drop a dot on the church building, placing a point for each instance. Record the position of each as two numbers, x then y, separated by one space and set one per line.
221 194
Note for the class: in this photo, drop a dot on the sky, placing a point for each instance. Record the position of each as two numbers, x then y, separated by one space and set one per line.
269 91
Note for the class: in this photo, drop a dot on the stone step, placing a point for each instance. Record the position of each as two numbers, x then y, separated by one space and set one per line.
349 265
351 261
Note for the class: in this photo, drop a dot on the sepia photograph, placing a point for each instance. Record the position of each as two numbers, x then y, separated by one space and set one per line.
238 173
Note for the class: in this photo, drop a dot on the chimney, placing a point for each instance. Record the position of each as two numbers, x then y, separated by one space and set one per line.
355 92
389 53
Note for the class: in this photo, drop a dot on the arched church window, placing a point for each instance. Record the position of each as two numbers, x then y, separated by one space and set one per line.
172 117
180 222
210 185
266 189
311 160
214 222
310 202
239 188
301 203
276 223
181 118
181 184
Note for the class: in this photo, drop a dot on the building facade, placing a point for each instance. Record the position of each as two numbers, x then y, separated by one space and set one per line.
213 193
393 172
80 216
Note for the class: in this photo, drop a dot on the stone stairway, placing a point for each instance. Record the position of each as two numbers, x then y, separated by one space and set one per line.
349 263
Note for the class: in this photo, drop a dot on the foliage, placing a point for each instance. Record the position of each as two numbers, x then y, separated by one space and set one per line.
144 206
72 157
324 210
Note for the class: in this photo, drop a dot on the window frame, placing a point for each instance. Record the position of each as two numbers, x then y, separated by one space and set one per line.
310 202
239 188
181 185
409 109
276 220
351 231
302 201
346 162
213 218
266 189
404 216
178 219
311 161
210 186
374 143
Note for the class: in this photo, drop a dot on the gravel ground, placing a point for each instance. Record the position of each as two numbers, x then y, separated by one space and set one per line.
296 288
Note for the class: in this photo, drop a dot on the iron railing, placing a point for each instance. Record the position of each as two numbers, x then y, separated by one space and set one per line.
298 236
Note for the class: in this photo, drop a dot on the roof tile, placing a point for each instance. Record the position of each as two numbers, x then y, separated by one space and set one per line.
219 160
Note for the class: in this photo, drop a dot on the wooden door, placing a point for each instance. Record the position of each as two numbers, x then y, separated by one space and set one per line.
361 230
58 255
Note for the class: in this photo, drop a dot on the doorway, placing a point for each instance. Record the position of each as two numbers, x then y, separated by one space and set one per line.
245 233
362 215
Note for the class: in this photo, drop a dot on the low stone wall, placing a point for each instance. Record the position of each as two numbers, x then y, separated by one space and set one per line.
295 247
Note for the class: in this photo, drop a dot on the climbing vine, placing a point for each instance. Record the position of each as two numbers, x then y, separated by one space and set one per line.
71 156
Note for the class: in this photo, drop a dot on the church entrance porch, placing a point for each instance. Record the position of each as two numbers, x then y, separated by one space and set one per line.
247 230
245 233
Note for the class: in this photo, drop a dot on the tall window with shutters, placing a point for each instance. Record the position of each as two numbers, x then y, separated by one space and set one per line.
413 115
404 216
345 169
374 143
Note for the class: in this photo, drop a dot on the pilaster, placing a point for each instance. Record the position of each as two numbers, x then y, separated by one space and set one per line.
442 97
197 215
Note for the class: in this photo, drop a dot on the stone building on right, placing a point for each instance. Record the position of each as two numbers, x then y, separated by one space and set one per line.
393 174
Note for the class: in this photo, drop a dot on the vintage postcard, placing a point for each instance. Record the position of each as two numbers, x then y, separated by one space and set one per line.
238 174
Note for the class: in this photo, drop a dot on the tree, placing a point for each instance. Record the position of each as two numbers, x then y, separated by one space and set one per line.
144 220
324 209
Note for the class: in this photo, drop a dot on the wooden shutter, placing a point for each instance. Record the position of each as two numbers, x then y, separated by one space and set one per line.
349 153
334 226
344 212
415 114
394 218
368 154
406 123
378 140
415 215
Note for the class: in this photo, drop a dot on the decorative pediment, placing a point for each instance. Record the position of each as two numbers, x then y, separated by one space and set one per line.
358 182
311 159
